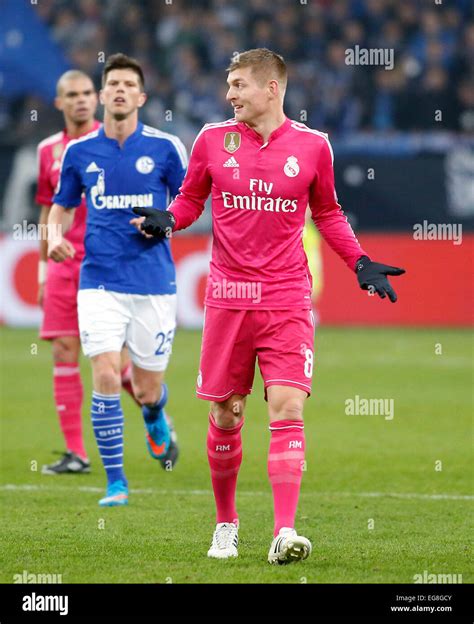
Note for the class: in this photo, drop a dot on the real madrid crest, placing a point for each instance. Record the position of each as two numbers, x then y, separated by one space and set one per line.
291 167
232 141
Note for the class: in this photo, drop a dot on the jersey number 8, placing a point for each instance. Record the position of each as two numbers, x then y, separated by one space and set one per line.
308 363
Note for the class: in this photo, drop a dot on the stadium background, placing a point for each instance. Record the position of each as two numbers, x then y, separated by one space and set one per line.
382 500
396 164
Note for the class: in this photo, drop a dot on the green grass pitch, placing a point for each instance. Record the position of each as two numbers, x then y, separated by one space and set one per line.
382 500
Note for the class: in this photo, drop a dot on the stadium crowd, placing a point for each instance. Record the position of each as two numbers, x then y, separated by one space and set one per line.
185 46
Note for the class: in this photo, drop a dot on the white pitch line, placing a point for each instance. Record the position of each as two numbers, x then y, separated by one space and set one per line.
405 495
36 488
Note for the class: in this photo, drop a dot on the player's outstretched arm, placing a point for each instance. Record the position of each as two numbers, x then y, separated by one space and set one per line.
59 222
329 218
373 276
187 206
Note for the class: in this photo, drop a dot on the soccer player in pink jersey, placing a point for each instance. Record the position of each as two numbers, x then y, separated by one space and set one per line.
263 170
58 282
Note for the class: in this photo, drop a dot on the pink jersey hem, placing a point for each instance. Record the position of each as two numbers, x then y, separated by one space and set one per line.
221 397
286 382
49 335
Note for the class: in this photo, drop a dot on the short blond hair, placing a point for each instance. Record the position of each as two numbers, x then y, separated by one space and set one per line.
265 65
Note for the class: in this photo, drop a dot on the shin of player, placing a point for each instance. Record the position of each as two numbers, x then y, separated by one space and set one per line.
108 419
286 456
286 463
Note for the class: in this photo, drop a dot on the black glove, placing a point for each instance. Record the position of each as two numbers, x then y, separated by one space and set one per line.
158 223
372 275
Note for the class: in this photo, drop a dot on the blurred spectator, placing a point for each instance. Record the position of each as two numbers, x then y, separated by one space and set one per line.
386 110
465 106
185 47
435 102
336 106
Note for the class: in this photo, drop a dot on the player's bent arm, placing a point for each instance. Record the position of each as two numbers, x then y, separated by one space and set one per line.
329 218
59 221
328 215
189 204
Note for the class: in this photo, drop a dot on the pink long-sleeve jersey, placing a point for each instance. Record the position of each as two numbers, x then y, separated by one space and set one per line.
260 192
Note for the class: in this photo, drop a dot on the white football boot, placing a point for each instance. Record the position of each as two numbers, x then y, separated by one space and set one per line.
224 541
288 547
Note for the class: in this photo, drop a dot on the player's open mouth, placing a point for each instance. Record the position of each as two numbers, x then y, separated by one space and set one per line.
119 101
237 107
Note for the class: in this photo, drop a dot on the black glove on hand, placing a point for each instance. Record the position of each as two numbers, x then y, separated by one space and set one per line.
372 275
158 223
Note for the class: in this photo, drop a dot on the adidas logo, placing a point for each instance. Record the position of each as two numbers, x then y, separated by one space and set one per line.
231 162
92 168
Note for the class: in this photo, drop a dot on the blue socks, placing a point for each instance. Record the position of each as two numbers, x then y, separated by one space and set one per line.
151 413
107 421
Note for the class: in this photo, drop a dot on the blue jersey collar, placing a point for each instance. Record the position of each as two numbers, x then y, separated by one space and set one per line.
131 139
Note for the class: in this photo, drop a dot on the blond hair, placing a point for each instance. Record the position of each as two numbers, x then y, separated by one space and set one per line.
264 63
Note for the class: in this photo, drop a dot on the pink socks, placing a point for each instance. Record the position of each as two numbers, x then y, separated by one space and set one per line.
68 398
224 452
285 466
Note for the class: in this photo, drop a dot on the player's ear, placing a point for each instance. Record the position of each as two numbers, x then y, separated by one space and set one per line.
142 99
101 97
273 88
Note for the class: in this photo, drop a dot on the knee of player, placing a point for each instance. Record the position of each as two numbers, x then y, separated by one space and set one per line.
146 396
107 379
228 413
291 409
65 352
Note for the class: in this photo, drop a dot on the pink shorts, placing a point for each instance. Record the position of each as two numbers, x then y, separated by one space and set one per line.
60 300
281 340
